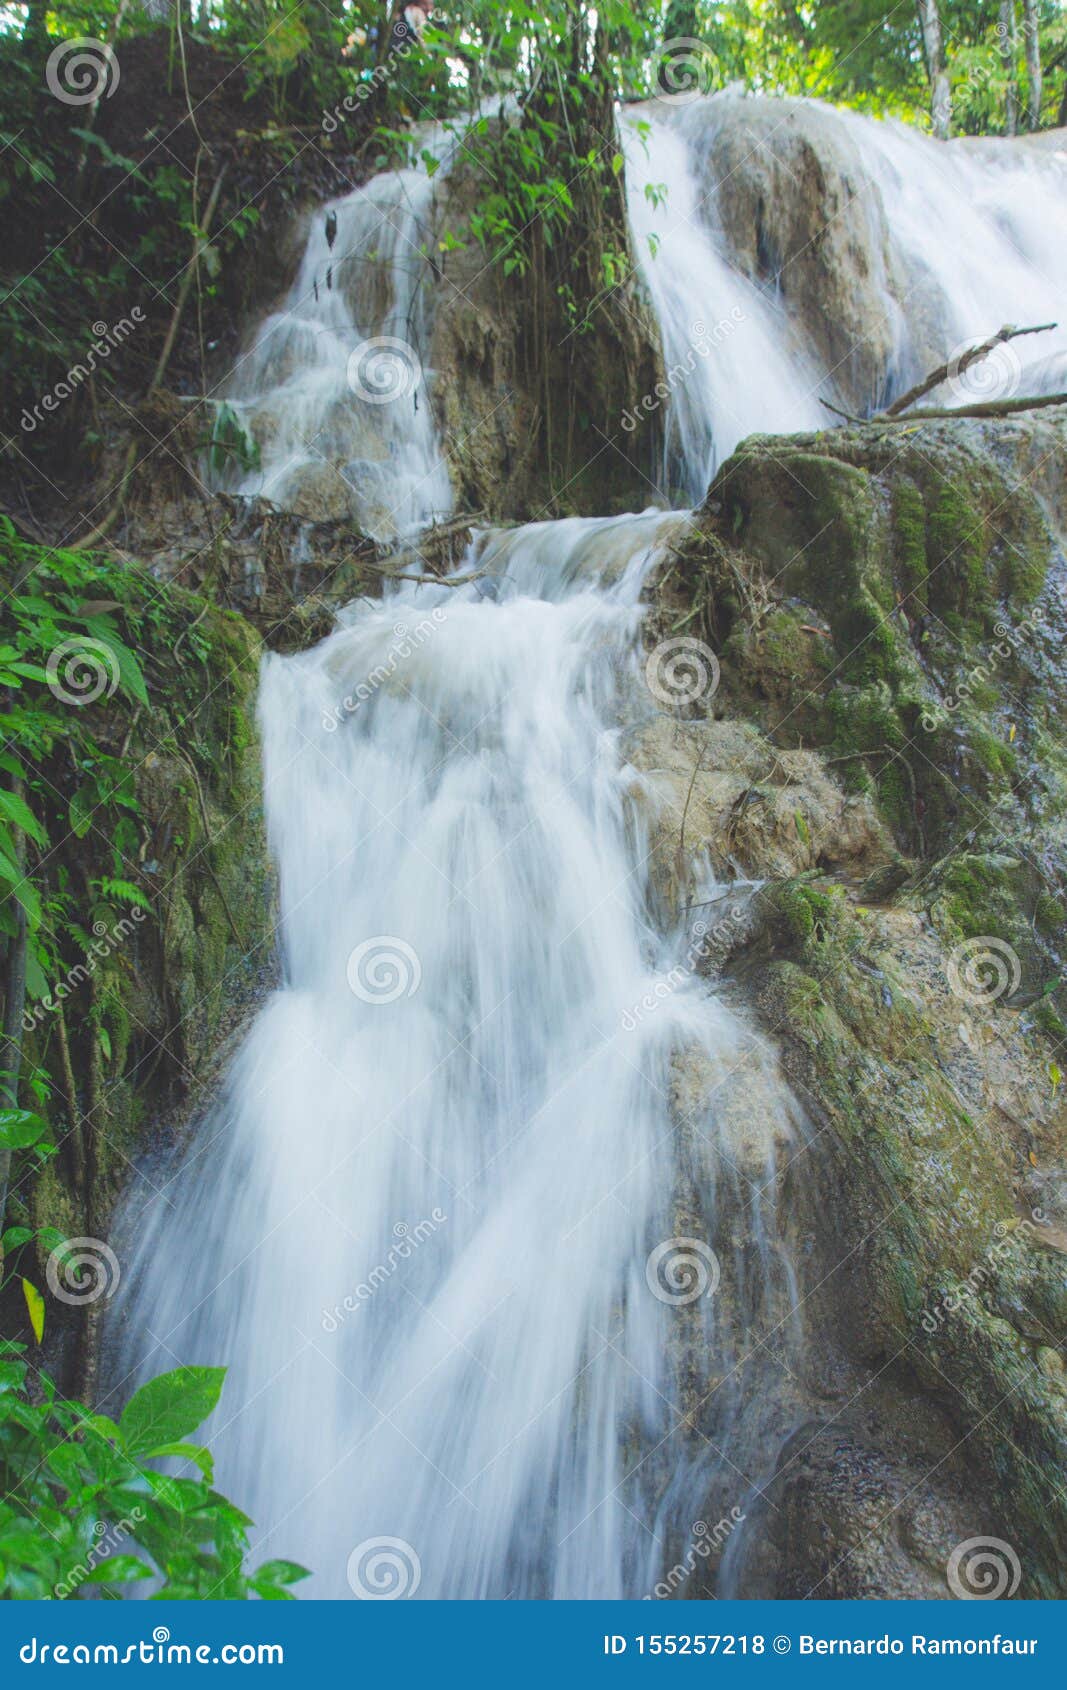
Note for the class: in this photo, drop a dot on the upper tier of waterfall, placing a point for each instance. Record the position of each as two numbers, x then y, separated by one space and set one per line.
792 253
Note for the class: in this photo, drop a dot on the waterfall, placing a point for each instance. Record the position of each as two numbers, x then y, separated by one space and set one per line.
741 367
484 1223
451 1226
951 243
332 389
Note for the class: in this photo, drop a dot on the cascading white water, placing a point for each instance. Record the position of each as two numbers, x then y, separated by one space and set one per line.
419 1229
977 237
444 1224
743 369
332 389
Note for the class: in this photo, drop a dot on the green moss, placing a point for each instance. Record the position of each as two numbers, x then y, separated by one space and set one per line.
909 540
956 550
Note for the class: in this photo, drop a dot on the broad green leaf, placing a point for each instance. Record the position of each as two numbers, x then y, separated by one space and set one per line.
19 1128
167 1409
195 1453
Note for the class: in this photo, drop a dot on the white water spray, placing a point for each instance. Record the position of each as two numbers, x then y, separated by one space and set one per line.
333 390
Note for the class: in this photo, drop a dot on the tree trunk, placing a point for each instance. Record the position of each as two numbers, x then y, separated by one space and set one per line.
1032 42
1006 37
14 1008
933 47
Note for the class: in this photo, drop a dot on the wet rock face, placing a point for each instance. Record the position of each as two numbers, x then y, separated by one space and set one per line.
888 616
803 216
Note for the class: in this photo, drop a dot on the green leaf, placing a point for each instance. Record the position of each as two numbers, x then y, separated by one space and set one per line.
18 812
130 676
119 1569
19 1128
35 1308
167 1409
281 1572
617 163
22 890
14 1236
80 810
196 1453
12 1373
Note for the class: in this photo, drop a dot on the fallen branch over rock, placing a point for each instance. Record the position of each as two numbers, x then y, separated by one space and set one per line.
899 411
959 366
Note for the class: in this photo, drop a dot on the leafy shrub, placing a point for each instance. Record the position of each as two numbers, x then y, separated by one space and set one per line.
82 1510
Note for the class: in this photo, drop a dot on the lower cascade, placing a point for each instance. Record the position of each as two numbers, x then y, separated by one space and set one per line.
467 1214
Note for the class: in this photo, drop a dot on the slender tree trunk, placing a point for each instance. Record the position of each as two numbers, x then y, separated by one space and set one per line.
933 47
1032 41
14 1008
1006 35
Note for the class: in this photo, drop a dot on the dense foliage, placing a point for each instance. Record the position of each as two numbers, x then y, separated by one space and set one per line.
82 1509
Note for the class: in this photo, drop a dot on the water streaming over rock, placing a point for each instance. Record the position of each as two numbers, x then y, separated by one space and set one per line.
419 1228
332 388
485 1222
800 253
